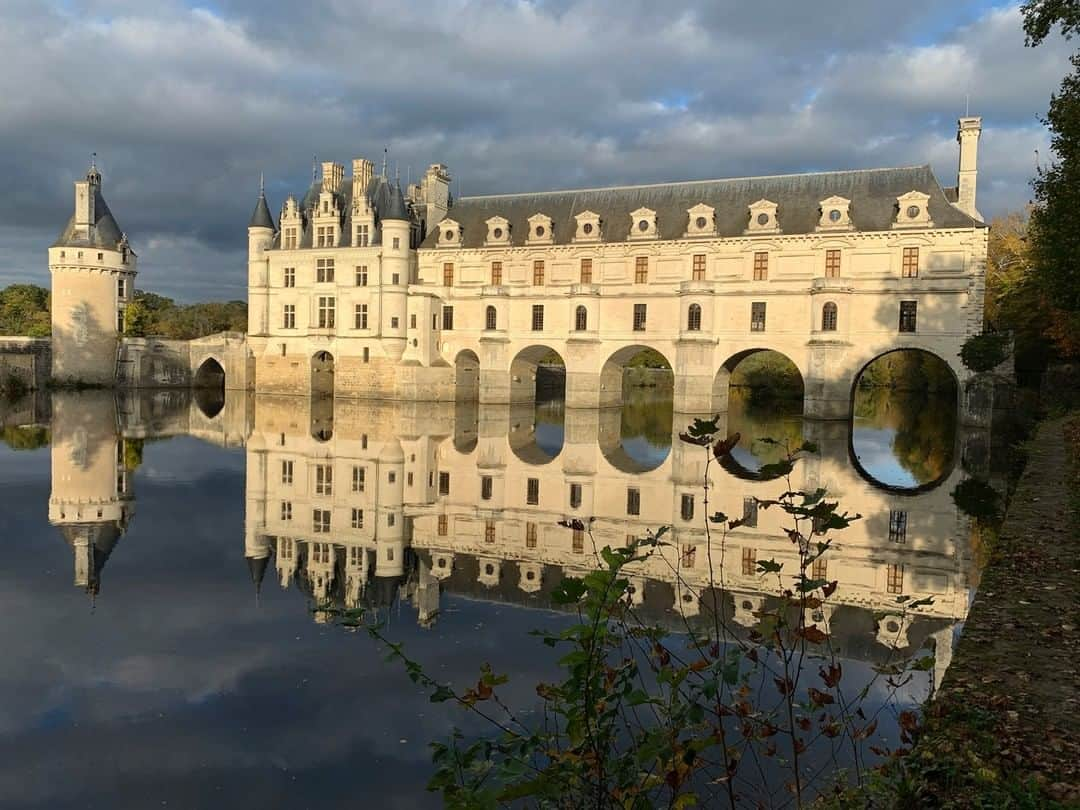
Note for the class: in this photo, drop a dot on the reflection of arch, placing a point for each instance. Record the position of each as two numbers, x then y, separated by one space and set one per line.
722 380
466 376
533 376
209 385
536 433
635 442
322 373
611 375
322 418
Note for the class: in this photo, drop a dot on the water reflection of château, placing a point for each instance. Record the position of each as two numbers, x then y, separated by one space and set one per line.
363 504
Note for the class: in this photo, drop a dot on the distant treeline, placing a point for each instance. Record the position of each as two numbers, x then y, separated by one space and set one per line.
24 310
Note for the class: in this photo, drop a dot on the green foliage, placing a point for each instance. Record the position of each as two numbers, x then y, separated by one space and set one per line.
985 351
24 310
977 498
908 370
133 454
162 317
768 374
26 438
136 319
1040 17
648 358
641 717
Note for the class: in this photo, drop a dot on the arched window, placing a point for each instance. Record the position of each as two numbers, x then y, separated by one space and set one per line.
490 318
828 317
693 318
581 319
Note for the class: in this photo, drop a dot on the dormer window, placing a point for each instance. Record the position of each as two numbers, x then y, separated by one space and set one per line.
763 217
588 227
834 214
913 211
540 231
449 233
498 231
643 224
702 220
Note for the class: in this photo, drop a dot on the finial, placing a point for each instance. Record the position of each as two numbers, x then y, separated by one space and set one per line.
262 185
967 104
384 151
93 161
314 168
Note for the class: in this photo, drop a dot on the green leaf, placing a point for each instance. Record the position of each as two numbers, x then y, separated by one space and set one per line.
769 566
568 591
442 694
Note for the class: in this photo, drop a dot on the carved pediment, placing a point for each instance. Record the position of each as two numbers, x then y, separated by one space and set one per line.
588 227
701 220
449 233
498 231
540 229
835 214
643 224
763 217
913 210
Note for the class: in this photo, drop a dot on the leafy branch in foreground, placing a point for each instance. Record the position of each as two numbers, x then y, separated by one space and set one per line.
645 717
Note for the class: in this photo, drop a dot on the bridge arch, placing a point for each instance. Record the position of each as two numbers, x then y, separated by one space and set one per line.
209 385
613 372
536 432
722 381
919 351
537 372
322 373
466 375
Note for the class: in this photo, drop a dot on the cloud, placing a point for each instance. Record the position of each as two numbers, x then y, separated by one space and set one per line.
187 105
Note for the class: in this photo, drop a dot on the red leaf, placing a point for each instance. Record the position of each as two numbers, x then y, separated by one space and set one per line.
723 448
832 677
829 588
819 698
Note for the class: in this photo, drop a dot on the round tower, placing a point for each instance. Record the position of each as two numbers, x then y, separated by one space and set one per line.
260 238
93 270
396 226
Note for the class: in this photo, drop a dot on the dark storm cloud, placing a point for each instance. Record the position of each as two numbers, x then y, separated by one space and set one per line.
187 105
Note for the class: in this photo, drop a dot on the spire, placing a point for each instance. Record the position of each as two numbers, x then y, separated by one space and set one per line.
397 209
93 175
260 217
384 151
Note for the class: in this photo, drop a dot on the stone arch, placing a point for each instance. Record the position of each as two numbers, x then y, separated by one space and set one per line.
533 377
209 385
612 373
466 375
863 366
322 373
722 380
534 435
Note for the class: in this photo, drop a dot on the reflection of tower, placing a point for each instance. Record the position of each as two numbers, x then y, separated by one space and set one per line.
90 499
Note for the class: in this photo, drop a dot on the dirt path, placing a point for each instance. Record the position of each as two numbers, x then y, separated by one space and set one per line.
1005 729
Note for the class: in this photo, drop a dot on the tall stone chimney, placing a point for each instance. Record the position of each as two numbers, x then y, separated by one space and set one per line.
362 172
967 136
332 175
435 193
85 194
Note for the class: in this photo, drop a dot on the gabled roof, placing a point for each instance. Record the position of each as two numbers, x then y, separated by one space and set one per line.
872 192
379 191
104 233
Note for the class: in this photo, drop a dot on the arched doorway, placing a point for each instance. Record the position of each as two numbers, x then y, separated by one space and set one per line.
759 375
537 374
209 385
467 376
322 373
904 419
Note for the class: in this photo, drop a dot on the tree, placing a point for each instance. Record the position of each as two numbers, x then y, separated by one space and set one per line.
136 320
24 310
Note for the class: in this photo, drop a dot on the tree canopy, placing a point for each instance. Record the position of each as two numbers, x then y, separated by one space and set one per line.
24 310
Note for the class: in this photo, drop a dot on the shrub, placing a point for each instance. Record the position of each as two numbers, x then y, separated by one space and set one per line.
984 352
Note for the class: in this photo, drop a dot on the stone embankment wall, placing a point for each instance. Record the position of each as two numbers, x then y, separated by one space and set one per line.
28 360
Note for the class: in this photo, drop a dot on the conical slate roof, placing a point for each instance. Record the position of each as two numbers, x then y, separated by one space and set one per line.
104 233
261 217
397 208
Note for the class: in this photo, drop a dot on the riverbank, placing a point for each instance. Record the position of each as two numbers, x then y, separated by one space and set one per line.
1003 731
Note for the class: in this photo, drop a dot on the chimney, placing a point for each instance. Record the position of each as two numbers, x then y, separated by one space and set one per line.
85 195
435 191
967 136
332 175
362 172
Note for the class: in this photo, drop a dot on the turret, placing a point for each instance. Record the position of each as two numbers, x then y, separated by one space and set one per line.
260 239
967 135
396 271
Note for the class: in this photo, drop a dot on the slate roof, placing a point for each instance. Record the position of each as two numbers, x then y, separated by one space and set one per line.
261 217
872 193
102 536
104 233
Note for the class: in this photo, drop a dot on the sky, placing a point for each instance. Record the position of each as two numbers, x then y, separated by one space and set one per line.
187 104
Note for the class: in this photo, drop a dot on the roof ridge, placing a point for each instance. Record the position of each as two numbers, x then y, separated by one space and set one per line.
668 184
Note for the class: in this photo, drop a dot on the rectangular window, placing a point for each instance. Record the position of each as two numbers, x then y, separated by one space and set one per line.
288 316
286 472
697 273
908 315
586 271
578 541
367 354
358 518
397 243
395 278
486 486
819 569
639 317
359 476
443 526
895 579
324 271
448 274
530 535
687 510
575 496
121 287
394 323
362 236
286 510
324 479
361 316
447 318
288 278
538 273
290 239
749 512
911 263
538 318
320 521
757 316
641 270
832 264
761 266
444 483
361 275
897 526
489 531
633 501
689 555
496 273
412 321
326 312
532 491
749 562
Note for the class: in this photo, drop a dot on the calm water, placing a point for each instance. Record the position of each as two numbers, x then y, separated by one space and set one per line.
164 569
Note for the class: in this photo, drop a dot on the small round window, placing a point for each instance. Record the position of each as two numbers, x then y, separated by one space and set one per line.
489 569
497 233
643 225
834 215
701 222
762 218
448 236
539 230
530 575
442 562
913 211
587 227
